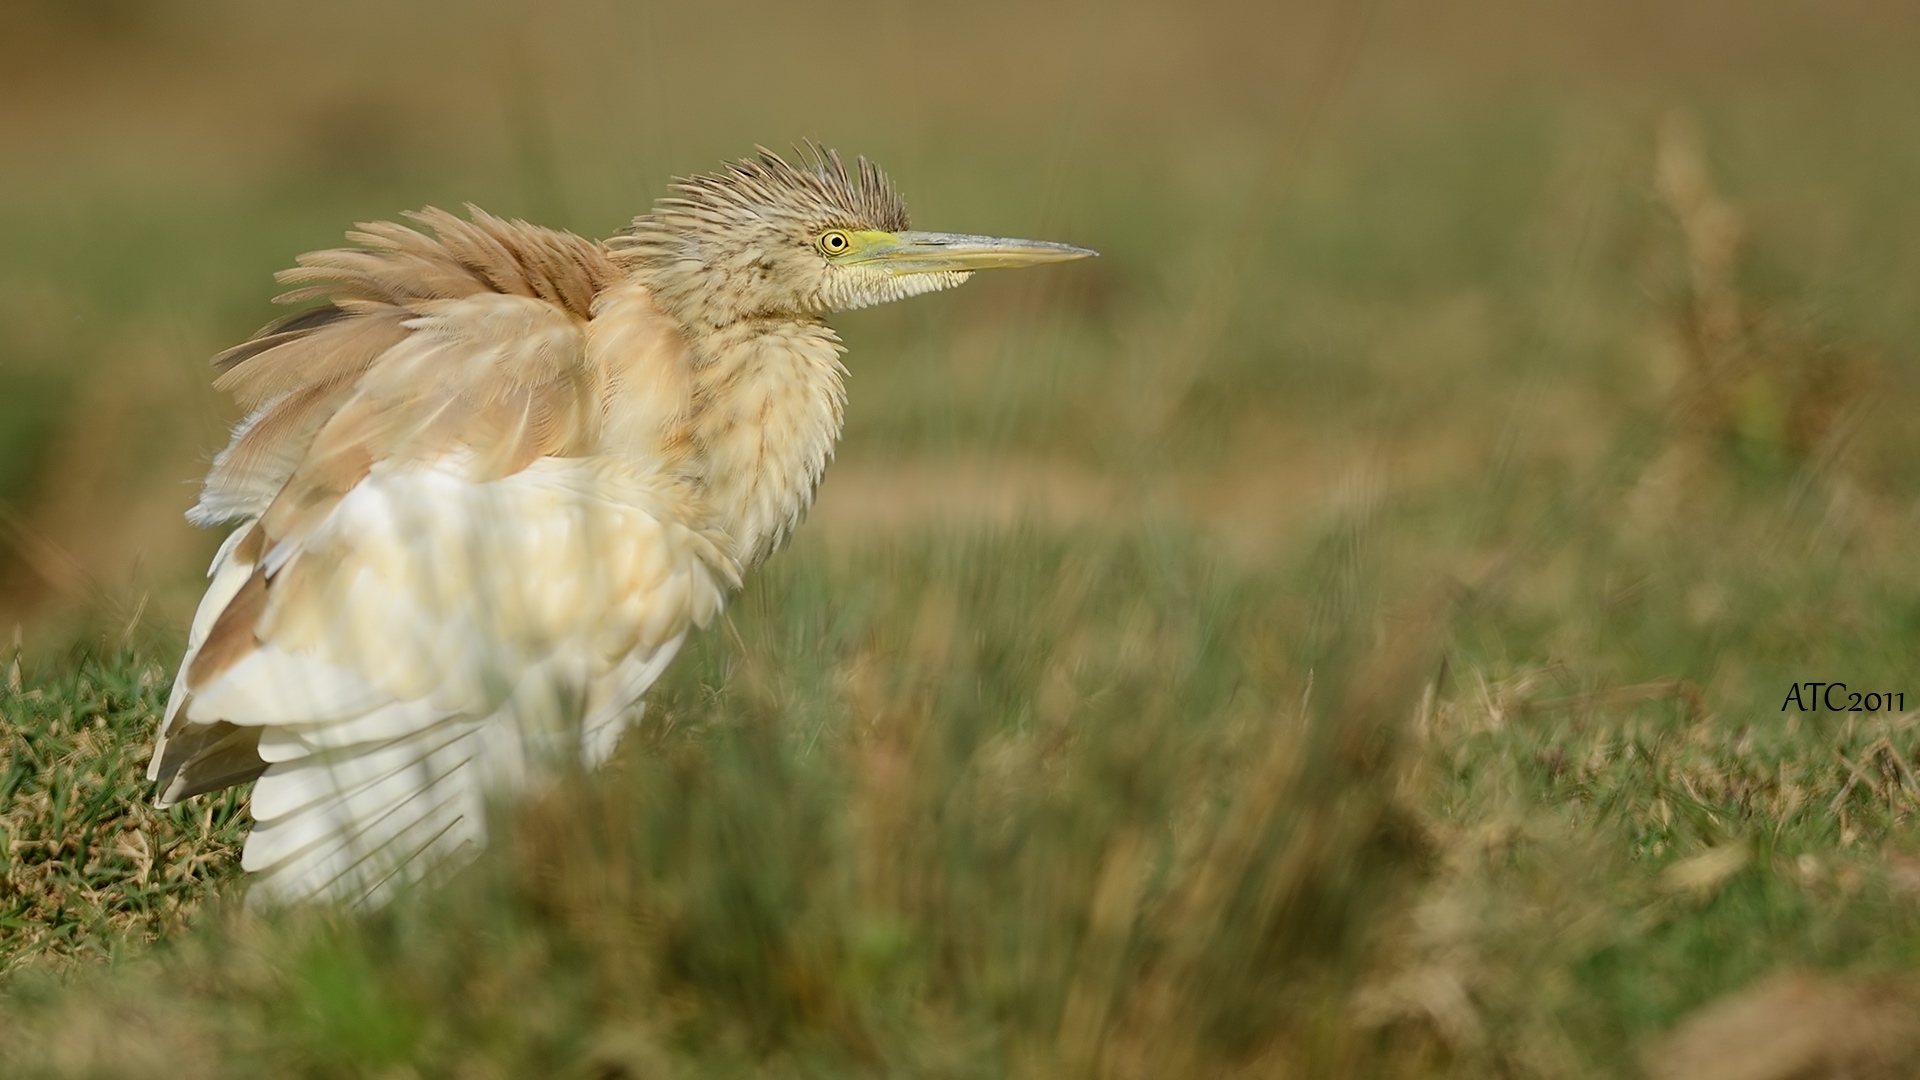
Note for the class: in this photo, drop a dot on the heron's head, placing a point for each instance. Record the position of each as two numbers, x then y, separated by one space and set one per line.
767 238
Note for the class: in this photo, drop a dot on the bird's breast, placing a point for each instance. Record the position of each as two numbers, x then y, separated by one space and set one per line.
768 401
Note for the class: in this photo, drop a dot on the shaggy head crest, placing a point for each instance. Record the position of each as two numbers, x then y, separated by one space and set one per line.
821 184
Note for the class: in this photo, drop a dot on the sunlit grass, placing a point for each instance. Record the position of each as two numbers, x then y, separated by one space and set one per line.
86 862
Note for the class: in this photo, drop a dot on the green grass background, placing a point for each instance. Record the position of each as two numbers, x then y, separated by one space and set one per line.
1341 631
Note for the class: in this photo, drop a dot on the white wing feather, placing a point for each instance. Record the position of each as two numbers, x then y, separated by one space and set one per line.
439 643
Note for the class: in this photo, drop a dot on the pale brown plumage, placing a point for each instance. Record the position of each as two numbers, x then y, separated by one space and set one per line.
299 372
485 490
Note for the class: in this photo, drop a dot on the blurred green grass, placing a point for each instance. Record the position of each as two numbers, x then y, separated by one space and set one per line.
915 821
1394 317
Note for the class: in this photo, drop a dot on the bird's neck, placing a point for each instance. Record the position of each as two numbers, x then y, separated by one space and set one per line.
767 404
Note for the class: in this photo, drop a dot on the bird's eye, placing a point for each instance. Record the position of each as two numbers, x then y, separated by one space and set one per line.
835 242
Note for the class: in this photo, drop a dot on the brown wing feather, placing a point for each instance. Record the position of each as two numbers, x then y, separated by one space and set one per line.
340 350
232 635
407 360
299 372
208 758
479 247
280 333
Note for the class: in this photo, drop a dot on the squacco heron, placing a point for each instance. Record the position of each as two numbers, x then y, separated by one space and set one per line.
484 492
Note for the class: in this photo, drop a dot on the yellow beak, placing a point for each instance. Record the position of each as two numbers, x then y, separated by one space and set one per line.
931 252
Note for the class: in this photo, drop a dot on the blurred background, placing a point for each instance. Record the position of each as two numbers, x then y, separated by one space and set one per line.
1389 558
1419 249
